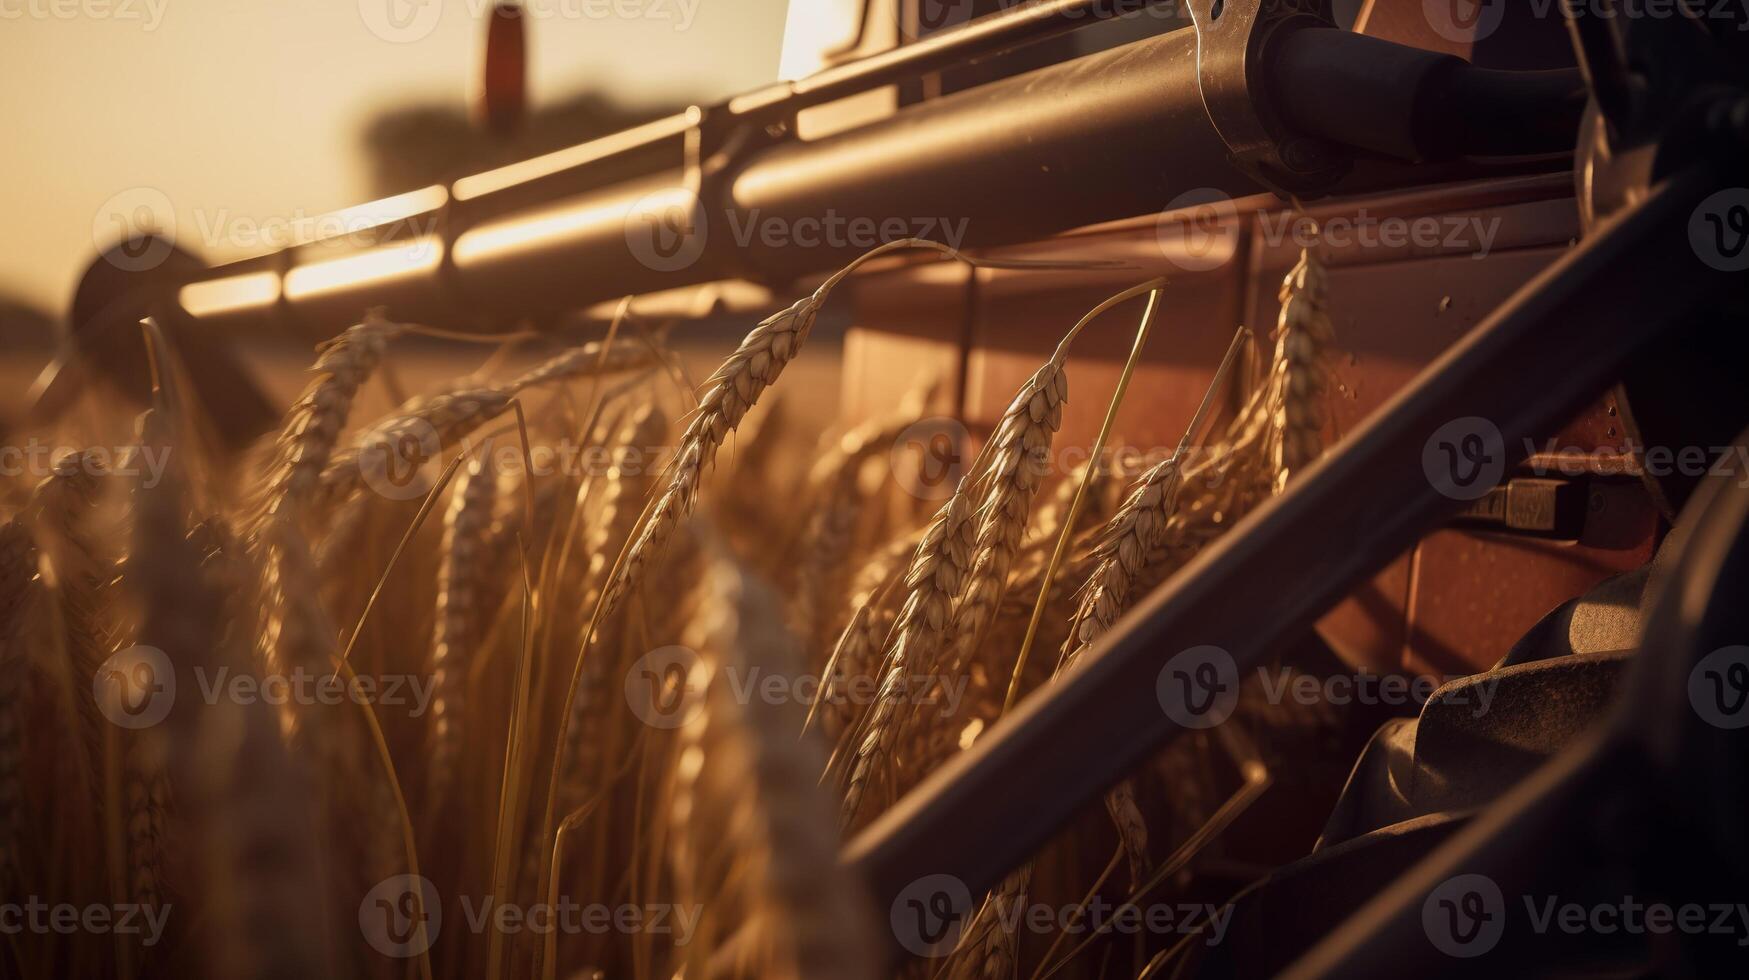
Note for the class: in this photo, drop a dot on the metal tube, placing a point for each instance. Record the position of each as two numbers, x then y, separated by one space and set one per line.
1113 134
1554 344
1108 135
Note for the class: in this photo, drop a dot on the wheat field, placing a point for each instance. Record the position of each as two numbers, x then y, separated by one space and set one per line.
585 667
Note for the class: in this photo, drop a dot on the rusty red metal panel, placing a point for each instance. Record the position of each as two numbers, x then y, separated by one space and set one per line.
1409 274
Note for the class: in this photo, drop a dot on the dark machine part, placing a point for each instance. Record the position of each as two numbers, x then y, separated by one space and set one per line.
1648 808
1687 392
1113 134
1365 501
1590 314
1234 52
131 280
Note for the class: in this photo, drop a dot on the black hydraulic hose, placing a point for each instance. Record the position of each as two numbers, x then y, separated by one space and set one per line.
1409 104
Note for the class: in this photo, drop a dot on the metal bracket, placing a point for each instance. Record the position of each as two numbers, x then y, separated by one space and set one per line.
1231 39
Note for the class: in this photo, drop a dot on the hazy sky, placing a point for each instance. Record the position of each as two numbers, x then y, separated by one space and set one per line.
238 112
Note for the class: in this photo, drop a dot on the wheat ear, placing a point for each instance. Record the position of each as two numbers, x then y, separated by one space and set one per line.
729 393
300 453
424 425
461 595
989 947
733 389
932 582
312 426
65 503
1021 447
1303 334
746 805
